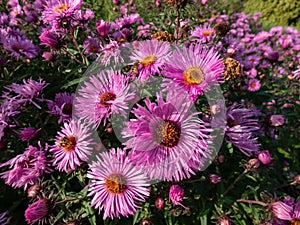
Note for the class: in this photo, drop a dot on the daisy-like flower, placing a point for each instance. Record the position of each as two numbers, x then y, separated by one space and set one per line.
204 33
116 186
21 47
37 211
26 168
176 194
166 139
103 95
194 69
241 123
73 145
112 53
254 85
56 10
62 106
151 55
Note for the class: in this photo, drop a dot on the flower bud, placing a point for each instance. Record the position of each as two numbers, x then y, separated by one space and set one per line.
176 194
49 39
214 179
33 191
159 203
37 211
277 120
264 157
253 164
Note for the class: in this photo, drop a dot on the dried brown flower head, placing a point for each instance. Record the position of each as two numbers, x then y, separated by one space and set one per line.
233 68
163 36
221 29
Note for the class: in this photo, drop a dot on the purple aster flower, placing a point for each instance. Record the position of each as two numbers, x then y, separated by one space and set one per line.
56 10
103 28
126 21
115 185
37 211
3 218
28 133
29 90
176 194
151 55
261 37
204 33
92 45
73 145
26 168
3 19
49 39
112 54
166 139
62 106
194 69
103 95
254 85
20 47
214 178
241 123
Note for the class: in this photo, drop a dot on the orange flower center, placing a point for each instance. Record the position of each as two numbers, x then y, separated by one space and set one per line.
67 109
61 8
167 133
295 222
105 97
206 33
148 60
193 76
68 143
17 48
232 123
115 183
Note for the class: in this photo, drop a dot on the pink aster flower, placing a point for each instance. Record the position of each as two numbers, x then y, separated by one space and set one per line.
166 139
103 27
241 123
62 106
176 194
28 133
261 37
73 145
254 85
204 33
115 185
194 69
3 218
151 55
49 38
37 211
56 10
282 210
26 168
102 95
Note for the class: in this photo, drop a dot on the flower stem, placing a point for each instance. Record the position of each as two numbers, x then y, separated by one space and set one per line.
235 181
252 202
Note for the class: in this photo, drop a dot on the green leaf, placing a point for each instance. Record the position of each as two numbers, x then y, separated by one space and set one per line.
73 82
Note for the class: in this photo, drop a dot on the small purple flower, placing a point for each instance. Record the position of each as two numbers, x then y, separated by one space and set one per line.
28 133
214 178
20 47
62 106
264 157
3 218
103 28
92 45
37 211
49 38
176 194
276 120
254 85
204 33
26 168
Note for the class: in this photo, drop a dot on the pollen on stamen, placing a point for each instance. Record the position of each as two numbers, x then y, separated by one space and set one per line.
167 133
193 76
148 60
60 8
105 97
68 143
115 183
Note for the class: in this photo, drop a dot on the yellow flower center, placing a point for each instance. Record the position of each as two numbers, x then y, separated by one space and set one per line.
67 143
61 8
148 60
206 33
115 183
295 222
167 133
105 97
193 76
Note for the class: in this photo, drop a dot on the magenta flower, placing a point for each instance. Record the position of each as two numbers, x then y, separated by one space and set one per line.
159 203
56 10
115 185
176 194
3 218
92 45
151 55
194 69
49 39
103 28
73 145
103 95
62 106
214 178
166 139
21 47
28 133
26 168
254 85
276 120
37 211
282 210
204 33
264 157
241 123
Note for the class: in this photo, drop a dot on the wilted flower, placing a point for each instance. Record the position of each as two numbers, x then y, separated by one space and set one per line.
176 194
233 68
28 133
159 203
277 120
253 164
214 178
37 211
33 191
282 210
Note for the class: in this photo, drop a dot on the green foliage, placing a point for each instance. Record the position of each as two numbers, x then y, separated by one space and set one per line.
276 12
